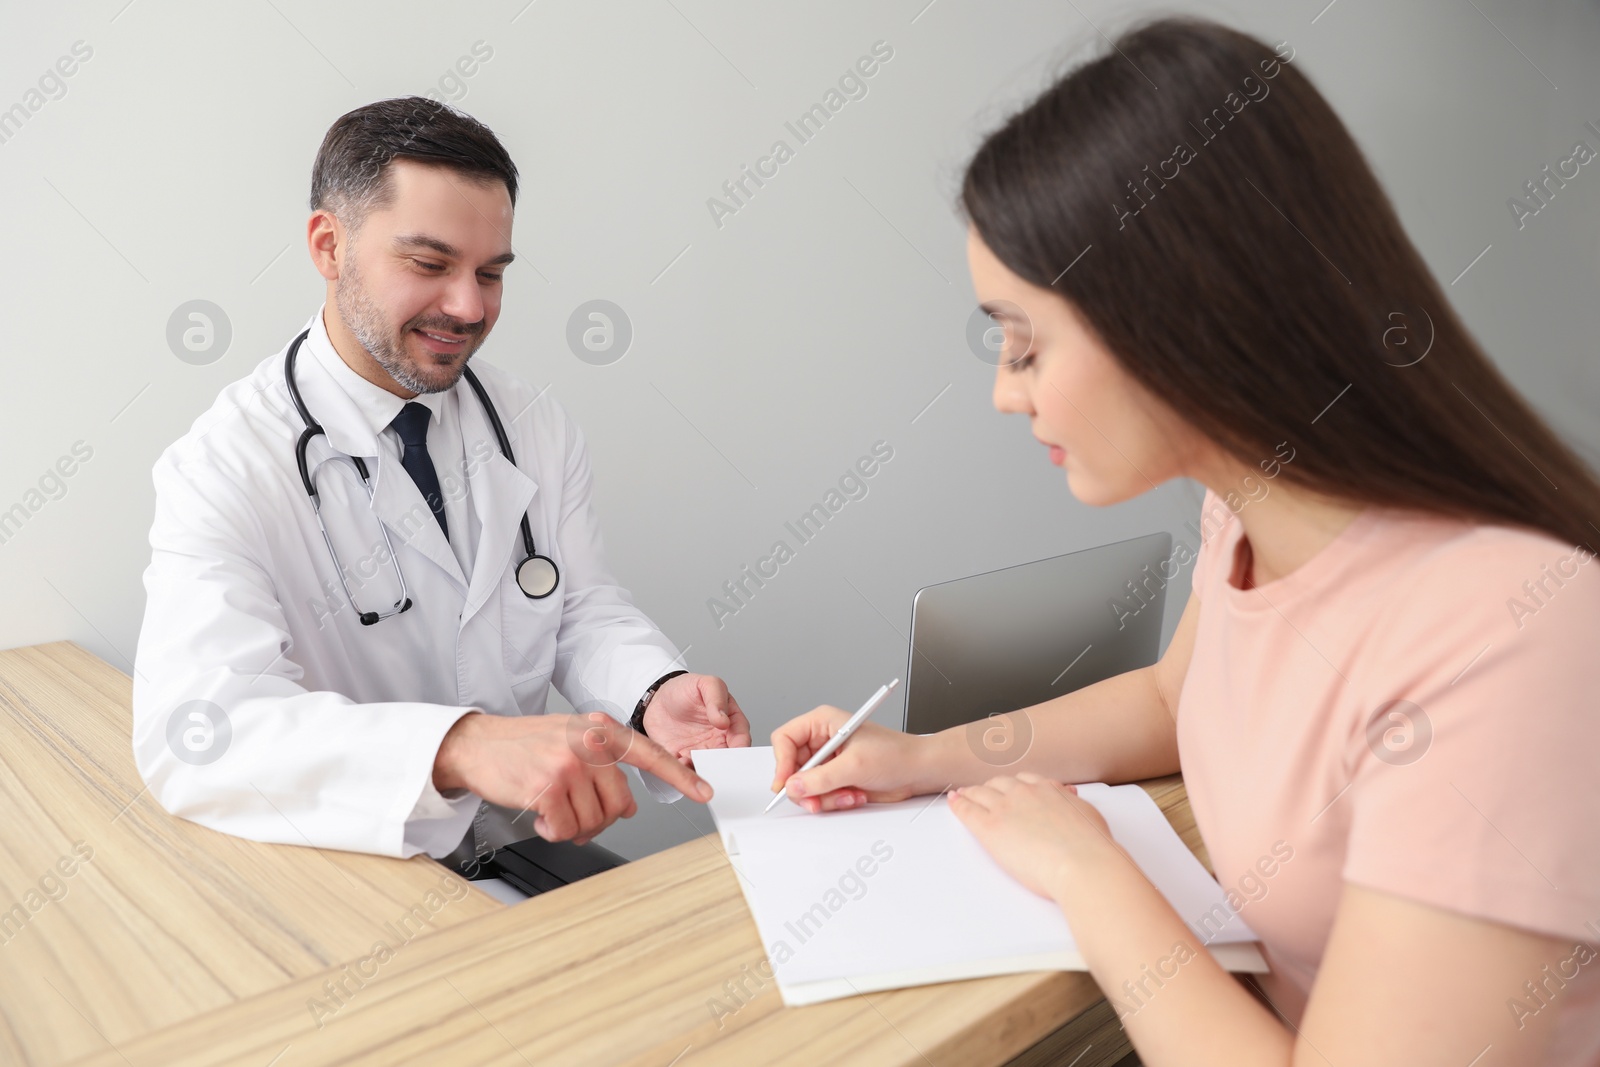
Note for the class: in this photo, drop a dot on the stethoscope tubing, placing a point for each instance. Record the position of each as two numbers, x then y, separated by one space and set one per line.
537 576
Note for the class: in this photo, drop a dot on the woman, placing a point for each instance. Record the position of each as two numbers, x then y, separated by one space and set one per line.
1381 691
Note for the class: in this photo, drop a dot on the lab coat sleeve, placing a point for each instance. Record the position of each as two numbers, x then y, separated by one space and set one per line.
265 759
607 651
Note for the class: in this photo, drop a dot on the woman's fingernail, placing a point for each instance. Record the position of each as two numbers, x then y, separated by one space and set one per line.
847 801
705 790
799 786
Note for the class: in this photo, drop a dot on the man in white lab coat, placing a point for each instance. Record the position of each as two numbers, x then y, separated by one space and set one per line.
265 705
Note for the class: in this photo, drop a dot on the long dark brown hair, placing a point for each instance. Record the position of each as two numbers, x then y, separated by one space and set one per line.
1258 281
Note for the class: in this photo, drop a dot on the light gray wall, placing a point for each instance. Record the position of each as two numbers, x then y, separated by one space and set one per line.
770 351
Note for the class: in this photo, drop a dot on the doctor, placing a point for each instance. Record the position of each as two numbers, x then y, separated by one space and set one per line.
366 574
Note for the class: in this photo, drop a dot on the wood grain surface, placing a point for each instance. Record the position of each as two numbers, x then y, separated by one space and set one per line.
176 946
117 919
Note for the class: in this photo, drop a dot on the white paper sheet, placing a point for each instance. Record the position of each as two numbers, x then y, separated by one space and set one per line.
902 894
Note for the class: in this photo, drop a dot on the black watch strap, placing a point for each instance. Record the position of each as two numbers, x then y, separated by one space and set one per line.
637 722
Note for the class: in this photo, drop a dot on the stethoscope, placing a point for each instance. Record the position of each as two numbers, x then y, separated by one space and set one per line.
537 576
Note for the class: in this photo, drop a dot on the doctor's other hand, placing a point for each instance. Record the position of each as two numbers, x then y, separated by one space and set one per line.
694 711
876 763
563 767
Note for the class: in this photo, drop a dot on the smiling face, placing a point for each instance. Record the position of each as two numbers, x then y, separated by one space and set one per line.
418 289
1115 439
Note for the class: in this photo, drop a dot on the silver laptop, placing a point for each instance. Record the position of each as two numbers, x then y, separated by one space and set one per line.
1006 639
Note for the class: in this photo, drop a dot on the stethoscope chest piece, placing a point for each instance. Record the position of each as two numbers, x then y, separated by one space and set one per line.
537 576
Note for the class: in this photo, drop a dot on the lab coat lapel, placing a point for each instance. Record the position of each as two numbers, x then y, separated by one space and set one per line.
399 503
500 495
396 500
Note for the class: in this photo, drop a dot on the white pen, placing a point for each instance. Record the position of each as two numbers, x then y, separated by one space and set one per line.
839 738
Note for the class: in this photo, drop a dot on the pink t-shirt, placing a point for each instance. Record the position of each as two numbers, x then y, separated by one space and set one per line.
1478 793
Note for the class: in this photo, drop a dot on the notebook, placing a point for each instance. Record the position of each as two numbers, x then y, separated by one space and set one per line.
892 895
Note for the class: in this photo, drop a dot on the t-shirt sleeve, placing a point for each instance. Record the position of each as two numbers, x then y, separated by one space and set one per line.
1474 785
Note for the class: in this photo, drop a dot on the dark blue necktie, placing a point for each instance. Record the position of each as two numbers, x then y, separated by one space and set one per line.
412 425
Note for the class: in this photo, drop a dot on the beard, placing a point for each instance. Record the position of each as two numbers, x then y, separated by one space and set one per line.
434 373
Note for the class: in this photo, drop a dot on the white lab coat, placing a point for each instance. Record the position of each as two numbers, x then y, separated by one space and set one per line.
335 725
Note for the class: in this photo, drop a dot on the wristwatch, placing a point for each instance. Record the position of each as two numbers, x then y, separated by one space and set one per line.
637 722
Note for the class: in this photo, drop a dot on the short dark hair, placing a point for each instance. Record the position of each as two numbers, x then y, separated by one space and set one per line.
351 176
1253 287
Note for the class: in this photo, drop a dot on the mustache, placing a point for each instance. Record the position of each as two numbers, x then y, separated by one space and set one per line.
468 330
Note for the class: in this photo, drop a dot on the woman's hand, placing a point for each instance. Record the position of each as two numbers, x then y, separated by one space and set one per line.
1040 831
877 763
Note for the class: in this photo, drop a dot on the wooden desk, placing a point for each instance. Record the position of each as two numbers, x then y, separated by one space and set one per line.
159 920
623 968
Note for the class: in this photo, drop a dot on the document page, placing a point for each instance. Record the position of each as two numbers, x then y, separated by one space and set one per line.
905 890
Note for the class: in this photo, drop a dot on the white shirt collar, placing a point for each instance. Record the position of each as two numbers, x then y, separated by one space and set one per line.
377 405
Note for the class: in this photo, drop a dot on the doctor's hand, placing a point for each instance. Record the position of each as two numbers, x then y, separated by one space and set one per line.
876 763
563 767
695 711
